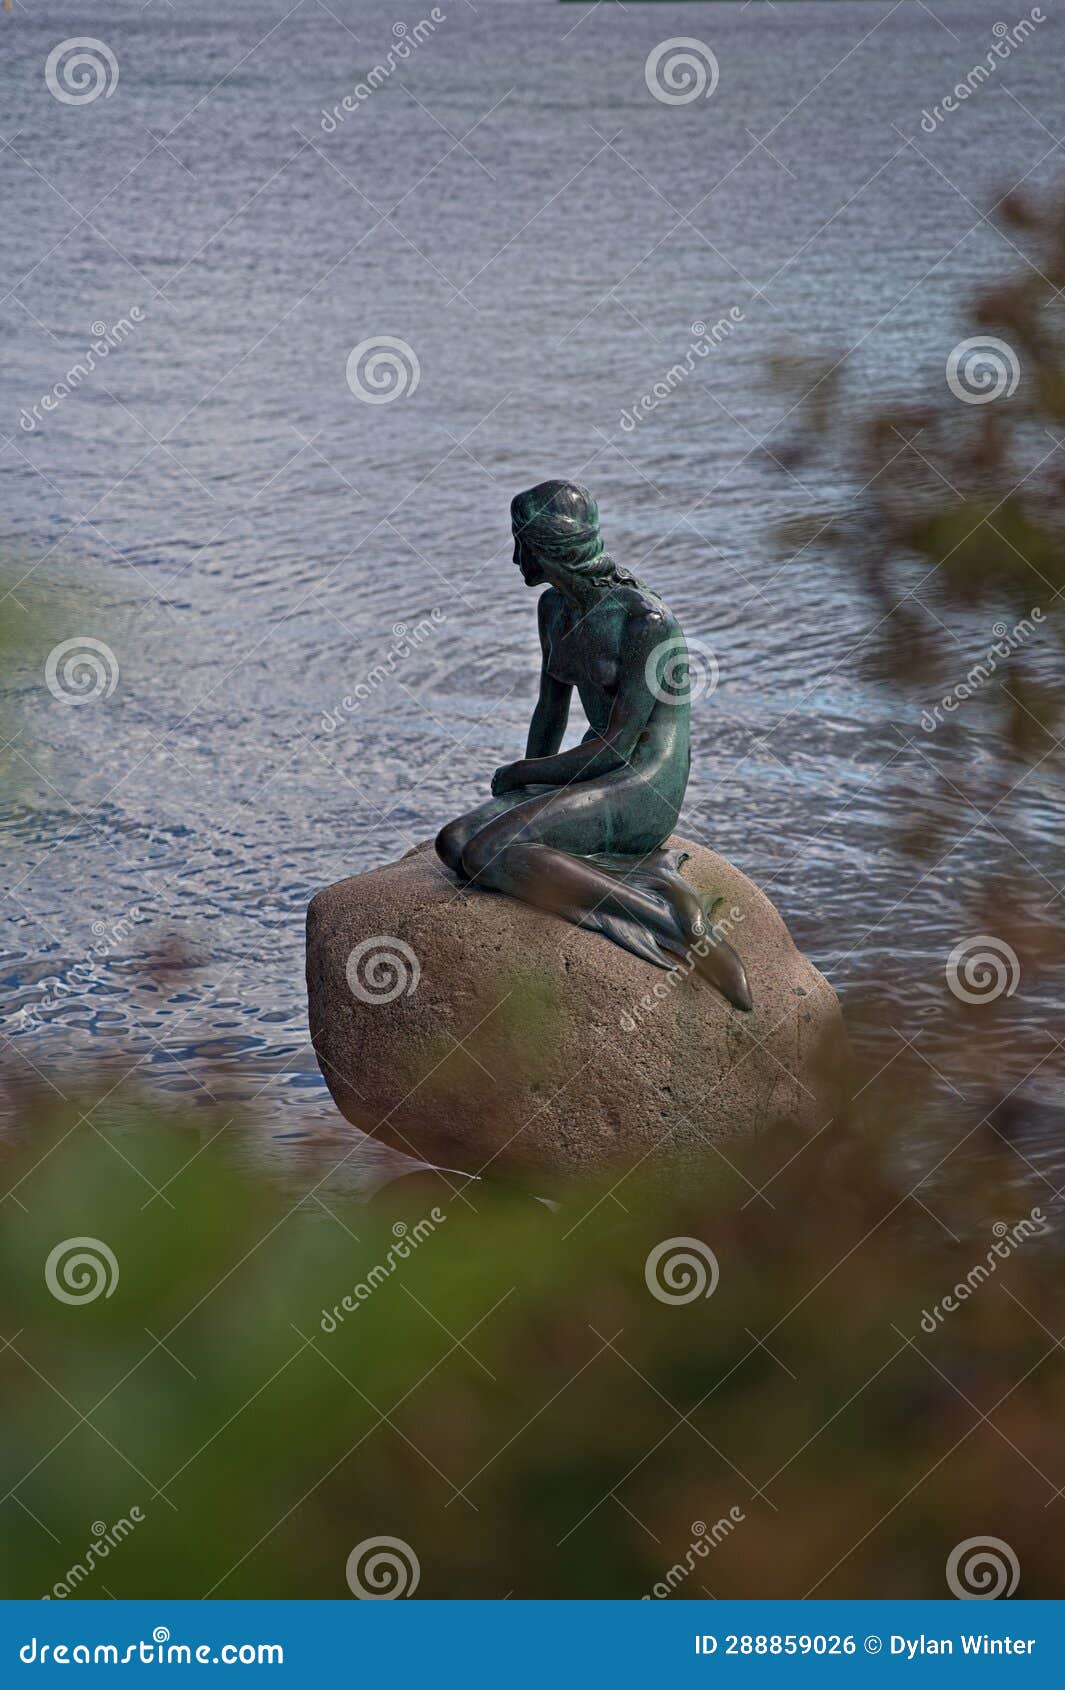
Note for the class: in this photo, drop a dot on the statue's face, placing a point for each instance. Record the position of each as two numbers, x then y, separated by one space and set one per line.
531 573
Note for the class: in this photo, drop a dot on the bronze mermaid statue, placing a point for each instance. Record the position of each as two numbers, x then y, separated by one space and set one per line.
581 832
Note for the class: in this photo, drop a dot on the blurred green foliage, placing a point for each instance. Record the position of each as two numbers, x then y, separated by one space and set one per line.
512 1401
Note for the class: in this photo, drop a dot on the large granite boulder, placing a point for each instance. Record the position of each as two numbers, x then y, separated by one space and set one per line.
477 1033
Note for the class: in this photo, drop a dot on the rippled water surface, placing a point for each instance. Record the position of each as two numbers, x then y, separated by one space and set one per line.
252 541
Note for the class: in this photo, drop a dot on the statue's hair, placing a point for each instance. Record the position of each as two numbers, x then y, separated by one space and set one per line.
559 522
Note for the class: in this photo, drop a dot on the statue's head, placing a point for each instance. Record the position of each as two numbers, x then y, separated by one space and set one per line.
556 531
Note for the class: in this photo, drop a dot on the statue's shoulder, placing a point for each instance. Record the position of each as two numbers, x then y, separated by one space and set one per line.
550 607
644 608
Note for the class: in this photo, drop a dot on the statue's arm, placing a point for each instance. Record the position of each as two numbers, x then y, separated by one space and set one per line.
601 753
549 719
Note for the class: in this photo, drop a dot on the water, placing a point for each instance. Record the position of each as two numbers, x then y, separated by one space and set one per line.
250 539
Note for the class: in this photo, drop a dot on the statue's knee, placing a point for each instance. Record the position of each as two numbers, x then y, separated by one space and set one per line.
480 853
449 843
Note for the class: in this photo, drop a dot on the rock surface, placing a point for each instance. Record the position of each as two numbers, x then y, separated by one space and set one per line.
477 1033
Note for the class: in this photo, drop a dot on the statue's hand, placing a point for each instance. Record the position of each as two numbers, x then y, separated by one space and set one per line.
509 778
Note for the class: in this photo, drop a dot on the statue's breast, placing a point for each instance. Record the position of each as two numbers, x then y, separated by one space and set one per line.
603 672
578 663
